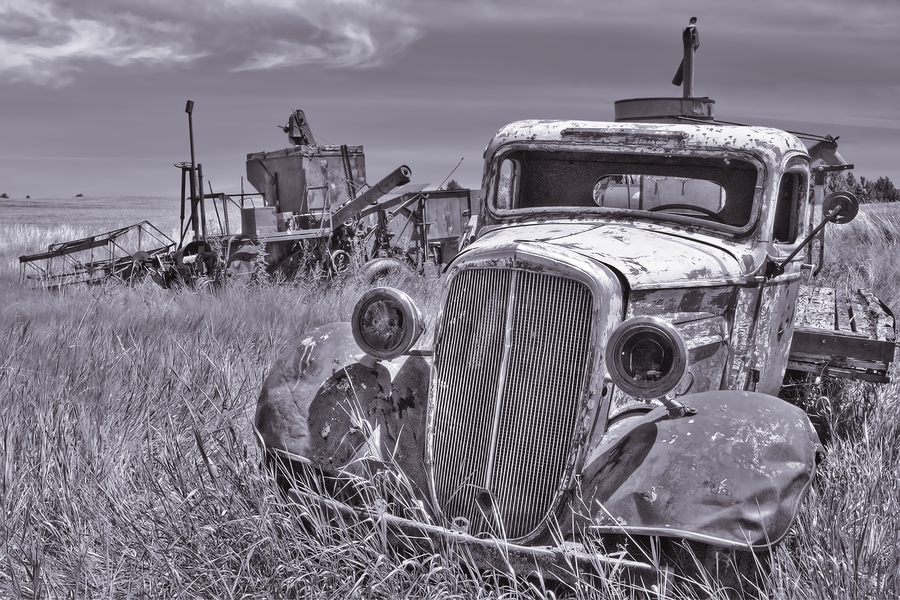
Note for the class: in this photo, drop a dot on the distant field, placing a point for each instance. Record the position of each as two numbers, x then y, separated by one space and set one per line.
128 466
90 212
28 226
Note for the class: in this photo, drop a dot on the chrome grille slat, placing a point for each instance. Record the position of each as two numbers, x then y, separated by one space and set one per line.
476 303
536 396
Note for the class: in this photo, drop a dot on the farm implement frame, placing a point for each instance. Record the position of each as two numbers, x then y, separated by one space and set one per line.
123 254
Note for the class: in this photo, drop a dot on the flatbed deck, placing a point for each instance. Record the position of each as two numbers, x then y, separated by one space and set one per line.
843 334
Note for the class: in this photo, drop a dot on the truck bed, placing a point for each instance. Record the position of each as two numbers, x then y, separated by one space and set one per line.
842 334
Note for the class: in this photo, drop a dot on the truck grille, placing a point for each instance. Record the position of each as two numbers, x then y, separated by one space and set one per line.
511 366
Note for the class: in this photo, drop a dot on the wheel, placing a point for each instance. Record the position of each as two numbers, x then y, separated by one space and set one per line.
379 268
136 269
340 261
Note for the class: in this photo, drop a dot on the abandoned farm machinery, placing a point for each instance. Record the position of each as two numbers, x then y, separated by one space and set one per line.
313 215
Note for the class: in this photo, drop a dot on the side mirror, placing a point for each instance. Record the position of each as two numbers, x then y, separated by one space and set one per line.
838 207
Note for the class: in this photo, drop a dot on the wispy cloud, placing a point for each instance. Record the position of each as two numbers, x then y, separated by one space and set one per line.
346 33
48 41
44 43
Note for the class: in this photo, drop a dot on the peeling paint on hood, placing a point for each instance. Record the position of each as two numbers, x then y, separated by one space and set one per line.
647 259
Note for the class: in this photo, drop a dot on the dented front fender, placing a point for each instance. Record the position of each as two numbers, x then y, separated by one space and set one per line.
282 409
328 403
733 474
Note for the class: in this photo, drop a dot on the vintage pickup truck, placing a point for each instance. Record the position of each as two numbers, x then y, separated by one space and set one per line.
605 366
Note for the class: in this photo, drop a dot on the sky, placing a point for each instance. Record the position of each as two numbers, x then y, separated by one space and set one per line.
92 92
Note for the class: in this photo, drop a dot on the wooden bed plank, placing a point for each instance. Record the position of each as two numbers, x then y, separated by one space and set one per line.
842 313
843 335
884 325
815 308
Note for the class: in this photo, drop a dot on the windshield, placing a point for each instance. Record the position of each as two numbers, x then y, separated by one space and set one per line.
717 190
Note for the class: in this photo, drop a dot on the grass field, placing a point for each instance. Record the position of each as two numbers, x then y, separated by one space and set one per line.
128 467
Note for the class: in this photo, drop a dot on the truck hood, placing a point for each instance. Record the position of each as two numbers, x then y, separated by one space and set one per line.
648 259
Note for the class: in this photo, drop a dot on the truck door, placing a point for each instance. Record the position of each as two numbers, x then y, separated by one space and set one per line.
778 301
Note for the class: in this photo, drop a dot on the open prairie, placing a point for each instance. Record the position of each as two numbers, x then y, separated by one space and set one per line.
129 468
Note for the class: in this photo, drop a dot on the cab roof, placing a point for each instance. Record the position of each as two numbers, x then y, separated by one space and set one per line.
769 145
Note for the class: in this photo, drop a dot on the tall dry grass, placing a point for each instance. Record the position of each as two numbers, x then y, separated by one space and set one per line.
128 467
846 543
864 252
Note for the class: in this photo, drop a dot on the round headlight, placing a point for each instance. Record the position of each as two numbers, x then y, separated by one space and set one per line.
646 357
386 323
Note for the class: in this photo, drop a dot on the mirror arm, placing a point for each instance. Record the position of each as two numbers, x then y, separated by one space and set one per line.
773 269
821 263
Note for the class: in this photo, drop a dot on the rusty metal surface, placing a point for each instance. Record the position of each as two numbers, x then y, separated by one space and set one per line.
319 211
775 329
703 317
305 179
560 561
659 109
647 258
770 150
761 334
372 414
679 269
590 404
732 474
126 253
324 400
282 410
397 177
770 145
516 428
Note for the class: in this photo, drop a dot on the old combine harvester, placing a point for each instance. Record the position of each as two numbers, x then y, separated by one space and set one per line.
319 216
600 392
313 215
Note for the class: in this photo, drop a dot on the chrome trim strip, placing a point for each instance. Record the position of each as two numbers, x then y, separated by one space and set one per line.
501 379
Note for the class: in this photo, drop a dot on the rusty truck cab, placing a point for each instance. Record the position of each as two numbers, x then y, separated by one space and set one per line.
688 216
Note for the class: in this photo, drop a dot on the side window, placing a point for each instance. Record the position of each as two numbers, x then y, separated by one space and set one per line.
507 184
791 199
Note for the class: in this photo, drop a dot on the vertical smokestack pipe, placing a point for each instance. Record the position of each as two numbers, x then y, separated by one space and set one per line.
189 109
